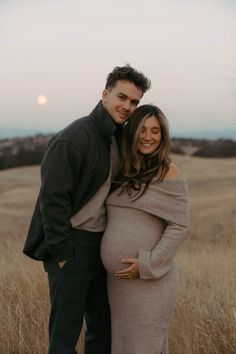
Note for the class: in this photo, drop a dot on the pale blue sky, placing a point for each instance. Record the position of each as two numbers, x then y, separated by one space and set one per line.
65 49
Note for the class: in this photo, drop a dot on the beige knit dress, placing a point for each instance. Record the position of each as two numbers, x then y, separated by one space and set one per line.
149 228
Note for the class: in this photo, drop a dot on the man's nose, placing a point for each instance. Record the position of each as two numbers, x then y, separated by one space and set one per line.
126 105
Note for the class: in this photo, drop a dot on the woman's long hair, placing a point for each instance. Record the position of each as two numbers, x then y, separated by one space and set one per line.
138 169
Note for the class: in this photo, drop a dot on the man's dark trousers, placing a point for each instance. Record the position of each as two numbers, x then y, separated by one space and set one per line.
77 290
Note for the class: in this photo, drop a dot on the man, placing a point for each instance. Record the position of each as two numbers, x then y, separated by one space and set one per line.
70 218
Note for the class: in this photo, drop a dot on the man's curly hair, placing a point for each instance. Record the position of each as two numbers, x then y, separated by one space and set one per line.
127 73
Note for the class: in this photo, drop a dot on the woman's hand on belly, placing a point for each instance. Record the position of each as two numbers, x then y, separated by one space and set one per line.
132 272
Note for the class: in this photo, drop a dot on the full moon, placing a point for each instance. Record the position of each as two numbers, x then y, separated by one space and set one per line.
42 99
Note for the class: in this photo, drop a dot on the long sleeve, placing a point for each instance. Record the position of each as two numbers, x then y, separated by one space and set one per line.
157 262
58 173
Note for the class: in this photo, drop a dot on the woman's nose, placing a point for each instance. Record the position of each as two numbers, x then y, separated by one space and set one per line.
147 135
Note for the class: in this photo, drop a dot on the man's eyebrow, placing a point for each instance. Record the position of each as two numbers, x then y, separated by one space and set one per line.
124 95
135 101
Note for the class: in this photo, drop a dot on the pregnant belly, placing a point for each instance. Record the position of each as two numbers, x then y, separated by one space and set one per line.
128 232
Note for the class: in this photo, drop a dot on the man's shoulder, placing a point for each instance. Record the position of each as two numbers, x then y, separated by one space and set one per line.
73 129
77 132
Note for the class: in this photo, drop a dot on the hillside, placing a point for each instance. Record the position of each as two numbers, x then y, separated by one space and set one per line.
29 151
212 195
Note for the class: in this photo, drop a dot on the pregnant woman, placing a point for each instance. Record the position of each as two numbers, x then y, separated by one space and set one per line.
147 221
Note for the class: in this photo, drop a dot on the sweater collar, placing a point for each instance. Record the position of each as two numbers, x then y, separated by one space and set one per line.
103 121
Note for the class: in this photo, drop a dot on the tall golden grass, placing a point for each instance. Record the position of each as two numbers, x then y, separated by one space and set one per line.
205 318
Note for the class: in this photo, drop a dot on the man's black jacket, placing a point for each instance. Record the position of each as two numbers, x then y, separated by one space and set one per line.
76 164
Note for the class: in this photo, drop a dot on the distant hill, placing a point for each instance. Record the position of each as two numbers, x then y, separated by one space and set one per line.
10 133
25 151
29 150
208 134
204 148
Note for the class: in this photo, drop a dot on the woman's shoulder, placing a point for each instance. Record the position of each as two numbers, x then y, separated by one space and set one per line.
173 172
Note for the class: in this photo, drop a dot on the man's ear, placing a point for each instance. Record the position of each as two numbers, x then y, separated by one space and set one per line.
104 95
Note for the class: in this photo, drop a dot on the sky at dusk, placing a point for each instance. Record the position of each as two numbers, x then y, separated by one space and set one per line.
65 49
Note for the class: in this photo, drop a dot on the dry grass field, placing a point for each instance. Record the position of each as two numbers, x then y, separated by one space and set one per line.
205 317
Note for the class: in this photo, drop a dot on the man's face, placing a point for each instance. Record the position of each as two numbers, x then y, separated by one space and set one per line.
121 100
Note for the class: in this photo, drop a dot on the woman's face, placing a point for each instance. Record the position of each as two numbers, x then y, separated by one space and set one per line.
150 136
